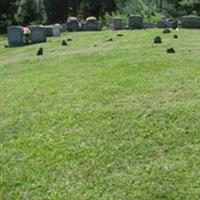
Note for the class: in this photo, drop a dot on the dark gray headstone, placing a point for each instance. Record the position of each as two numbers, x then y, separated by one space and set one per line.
190 22
38 34
56 30
72 24
15 35
136 22
92 26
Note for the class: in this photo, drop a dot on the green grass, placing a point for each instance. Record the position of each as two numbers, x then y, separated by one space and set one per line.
116 121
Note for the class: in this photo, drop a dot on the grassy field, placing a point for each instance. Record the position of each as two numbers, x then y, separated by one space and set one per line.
101 120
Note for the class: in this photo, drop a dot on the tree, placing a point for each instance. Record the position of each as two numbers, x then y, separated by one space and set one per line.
28 11
183 7
8 10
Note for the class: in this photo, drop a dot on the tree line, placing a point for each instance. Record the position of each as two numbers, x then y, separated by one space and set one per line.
57 11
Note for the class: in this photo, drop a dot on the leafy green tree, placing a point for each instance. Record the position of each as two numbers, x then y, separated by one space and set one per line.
8 10
28 11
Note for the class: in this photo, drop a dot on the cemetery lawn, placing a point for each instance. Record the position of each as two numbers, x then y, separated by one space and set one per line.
101 120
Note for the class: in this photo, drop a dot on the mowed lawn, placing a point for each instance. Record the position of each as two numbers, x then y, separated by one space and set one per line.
101 120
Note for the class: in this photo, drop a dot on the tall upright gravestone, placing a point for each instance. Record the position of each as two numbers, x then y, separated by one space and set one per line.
38 34
15 35
135 22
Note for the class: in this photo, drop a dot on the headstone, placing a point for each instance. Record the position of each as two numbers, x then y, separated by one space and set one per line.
190 22
15 35
117 23
56 30
72 24
136 22
92 24
38 34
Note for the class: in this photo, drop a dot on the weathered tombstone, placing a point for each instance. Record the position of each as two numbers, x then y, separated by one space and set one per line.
56 30
117 23
15 35
38 34
136 22
190 22
162 24
72 24
92 24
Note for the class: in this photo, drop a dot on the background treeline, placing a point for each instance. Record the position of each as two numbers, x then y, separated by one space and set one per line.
57 11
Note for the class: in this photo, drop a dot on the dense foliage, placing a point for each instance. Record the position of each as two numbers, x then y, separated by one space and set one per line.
51 11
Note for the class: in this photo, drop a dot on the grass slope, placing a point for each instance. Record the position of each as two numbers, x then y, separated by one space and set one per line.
117 121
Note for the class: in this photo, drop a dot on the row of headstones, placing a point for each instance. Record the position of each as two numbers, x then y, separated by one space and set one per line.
91 24
73 24
186 22
38 34
136 22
